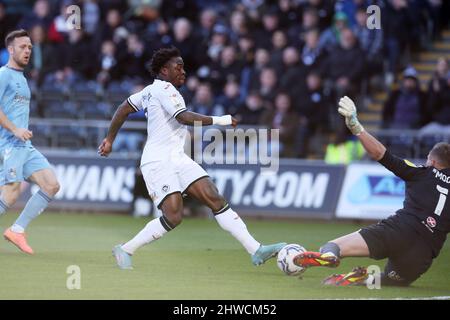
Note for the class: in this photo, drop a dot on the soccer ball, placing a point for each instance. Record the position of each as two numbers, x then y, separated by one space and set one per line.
285 259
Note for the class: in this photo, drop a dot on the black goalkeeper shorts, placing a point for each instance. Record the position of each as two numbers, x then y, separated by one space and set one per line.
409 255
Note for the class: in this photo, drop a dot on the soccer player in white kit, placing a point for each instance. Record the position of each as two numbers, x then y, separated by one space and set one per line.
168 171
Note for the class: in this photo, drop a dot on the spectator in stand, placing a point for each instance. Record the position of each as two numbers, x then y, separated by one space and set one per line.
310 21
312 106
58 29
238 25
270 22
77 55
267 86
133 60
250 113
344 66
396 25
371 42
315 105
331 37
293 74
288 13
343 147
176 9
208 18
439 78
41 62
228 68
246 53
285 119
218 41
312 55
185 41
279 43
109 68
40 15
106 30
350 7
439 103
262 60
253 8
230 100
90 12
406 107
203 101
188 90
7 24
324 9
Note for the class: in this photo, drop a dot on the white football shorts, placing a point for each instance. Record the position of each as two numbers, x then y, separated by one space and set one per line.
165 177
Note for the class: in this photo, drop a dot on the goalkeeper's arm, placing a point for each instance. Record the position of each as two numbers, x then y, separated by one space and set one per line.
373 147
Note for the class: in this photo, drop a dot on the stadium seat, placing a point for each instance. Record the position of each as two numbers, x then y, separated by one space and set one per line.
41 135
129 142
95 110
60 110
68 137
85 91
93 137
34 109
116 93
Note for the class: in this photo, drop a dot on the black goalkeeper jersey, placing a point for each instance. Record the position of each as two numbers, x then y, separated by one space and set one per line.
426 206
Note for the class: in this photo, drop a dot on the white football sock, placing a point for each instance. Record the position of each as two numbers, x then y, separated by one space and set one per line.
151 232
231 222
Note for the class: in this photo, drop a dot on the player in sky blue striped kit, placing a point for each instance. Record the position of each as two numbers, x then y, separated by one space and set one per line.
19 159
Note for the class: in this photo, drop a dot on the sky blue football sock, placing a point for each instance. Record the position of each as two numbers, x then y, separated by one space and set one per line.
3 206
34 207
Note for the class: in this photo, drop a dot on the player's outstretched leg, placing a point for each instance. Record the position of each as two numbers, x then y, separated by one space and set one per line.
230 221
329 256
123 259
206 192
154 230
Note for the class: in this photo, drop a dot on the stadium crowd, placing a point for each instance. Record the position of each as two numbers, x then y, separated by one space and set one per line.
278 63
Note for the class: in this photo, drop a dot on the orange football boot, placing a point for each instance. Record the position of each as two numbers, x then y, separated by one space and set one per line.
357 276
316 259
19 240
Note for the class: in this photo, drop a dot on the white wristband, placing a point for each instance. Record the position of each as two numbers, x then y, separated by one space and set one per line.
222 120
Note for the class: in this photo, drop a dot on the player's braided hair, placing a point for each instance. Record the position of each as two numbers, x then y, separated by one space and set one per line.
161 57
441 151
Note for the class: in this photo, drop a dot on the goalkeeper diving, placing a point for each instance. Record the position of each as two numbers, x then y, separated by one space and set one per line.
412 237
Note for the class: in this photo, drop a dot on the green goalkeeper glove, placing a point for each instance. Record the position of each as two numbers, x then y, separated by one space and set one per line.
347 108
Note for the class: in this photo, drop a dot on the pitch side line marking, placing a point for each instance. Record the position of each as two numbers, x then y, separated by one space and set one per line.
400 298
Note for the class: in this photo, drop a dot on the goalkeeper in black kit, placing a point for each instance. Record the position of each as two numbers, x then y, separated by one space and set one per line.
413 236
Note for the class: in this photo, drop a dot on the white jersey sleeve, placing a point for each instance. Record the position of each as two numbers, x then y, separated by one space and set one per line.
171 100
135 100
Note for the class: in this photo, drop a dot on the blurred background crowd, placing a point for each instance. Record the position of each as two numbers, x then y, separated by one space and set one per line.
277 63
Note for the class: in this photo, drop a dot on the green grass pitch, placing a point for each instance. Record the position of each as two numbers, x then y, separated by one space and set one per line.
195 261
